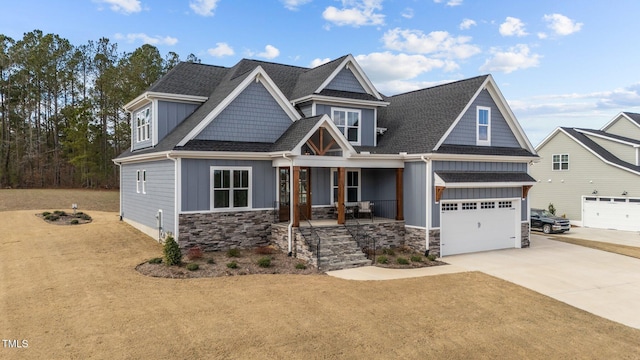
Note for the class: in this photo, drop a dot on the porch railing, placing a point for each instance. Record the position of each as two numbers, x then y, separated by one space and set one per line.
366 243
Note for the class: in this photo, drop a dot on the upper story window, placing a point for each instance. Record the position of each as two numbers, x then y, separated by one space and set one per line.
348 121
231 188
483 125
560 162
142 121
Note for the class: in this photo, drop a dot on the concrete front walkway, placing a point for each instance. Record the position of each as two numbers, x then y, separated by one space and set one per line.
602 283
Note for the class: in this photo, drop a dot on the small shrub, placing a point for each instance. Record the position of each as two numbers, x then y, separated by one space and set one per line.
155 260
402 261
383 259
46 213
233 252
301 266
83 216
192 266
211 261
264 250
60 213
416 258
172 254
52 217
432 257
264 262
389 252
74 222
232 265
194 253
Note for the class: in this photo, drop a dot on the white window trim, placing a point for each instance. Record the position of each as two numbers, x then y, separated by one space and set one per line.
144 181
138 181
335 170
143 124
231 207
478 141
346 126
560 162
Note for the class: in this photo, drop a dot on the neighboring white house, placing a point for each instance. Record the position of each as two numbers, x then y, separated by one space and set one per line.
592 176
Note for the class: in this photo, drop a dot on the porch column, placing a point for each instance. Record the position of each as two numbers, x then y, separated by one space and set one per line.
295 187
399 193
340 195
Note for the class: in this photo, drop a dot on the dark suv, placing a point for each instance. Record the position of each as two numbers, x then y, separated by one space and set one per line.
547 222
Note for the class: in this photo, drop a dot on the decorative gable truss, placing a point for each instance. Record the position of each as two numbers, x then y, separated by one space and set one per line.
258 75
483 133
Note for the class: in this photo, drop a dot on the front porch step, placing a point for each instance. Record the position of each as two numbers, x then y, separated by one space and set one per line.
338 249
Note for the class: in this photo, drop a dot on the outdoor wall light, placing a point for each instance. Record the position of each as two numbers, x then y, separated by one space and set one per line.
549 180
624 193
594 192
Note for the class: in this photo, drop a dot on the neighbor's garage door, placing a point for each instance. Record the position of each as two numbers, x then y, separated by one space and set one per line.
611 213
470 226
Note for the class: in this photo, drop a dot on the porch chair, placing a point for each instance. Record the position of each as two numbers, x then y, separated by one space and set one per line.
365 207
347 210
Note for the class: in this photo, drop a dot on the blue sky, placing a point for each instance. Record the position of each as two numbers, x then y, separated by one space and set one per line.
558 63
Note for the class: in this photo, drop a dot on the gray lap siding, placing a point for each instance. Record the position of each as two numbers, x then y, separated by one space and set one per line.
142 207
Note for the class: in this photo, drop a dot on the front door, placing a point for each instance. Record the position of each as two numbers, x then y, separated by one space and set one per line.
304 191
284 180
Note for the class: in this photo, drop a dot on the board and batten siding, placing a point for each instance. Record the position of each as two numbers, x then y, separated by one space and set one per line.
378 184
321 186
478 193
464 132
170 114
196 183
254 116
586 174
621 151
415 193
367 126
624 127
345 81
160 194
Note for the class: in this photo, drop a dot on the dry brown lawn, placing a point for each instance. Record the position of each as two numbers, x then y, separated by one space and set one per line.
632 251
73 292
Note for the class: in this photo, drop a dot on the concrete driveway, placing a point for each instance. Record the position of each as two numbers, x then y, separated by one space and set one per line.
602 283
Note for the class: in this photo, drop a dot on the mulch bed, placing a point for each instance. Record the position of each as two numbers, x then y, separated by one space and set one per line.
247 264
59 217
414 259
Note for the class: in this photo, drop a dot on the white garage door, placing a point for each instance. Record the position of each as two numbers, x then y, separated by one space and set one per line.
611 213
471 226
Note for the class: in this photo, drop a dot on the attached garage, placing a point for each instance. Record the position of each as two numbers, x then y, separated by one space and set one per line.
479 225
619 213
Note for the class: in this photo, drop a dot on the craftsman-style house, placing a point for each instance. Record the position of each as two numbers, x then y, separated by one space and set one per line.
247 155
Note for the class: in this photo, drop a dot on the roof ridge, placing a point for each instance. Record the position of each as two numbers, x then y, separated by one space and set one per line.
440 85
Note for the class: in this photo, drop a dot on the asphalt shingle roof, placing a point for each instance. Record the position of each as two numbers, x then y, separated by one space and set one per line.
602 152
482 150
470 177
635 117
190 79
610 136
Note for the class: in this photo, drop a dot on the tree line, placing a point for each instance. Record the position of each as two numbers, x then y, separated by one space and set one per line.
61 108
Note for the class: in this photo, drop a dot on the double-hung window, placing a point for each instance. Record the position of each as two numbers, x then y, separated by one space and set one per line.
352 185
141 181
138 179
348 121
483 125
231 188
560 162
143 119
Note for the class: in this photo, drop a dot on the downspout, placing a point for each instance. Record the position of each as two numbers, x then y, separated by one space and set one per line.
427 202
290 226
120 190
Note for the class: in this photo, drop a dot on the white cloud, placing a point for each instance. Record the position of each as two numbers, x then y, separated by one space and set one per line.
512 27
293 5
561 24
124 6
542 35
317 62
450 2
438 43
270 52
203 7
355 13
466 24
146 39
221 49
407 13
385 66
516 58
